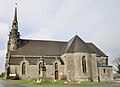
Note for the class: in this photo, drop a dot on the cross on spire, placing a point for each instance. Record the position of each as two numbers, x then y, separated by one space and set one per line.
76 33
15 22
16 4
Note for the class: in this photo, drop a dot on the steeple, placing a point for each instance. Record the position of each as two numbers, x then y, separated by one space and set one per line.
14 36
15 22
15 15
13 43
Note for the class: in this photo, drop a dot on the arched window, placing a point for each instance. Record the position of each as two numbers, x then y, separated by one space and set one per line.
23 68
56 71
40 67
84 64
56 66
104 70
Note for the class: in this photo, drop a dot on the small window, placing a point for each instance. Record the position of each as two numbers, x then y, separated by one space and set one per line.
40 66
84 64
107 61
104 70
23 68
56 66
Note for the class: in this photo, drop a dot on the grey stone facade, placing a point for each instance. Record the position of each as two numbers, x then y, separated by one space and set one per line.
55 60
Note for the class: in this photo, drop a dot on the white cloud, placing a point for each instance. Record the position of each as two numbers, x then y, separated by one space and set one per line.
3 30
44 33
108 39
94 20
3 33
2 60
3 42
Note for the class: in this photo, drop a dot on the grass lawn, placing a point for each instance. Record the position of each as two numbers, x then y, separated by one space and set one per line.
52 83
96 83
23 81
32 82
91 83
58 82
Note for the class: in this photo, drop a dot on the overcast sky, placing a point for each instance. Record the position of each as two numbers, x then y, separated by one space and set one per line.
96 21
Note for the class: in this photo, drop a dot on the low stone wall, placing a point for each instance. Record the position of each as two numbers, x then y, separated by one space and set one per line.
117 78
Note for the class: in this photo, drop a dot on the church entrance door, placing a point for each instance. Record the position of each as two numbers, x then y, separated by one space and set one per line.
56 74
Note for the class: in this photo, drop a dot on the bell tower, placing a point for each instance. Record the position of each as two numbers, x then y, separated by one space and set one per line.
14 36
13 42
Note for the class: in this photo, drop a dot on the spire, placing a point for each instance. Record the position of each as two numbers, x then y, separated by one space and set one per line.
14 36
15 14
15 22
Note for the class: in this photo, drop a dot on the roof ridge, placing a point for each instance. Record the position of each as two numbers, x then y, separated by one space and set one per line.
43 40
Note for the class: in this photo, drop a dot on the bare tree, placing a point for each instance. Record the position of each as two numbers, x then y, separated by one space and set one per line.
117 64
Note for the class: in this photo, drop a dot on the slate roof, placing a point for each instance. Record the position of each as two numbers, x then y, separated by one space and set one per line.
35 60
56 48
96 50
15 61
76 44
52 48
40 48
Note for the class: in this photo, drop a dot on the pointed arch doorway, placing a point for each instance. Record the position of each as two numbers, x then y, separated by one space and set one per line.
56 71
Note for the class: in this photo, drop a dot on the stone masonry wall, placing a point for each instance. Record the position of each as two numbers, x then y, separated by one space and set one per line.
32 71
105 73
102 60
73 66
69 66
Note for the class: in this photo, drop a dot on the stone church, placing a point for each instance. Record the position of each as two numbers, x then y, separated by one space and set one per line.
55 60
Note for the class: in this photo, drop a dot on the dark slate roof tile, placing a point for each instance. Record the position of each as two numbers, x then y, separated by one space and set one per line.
35 60
52 48
40 48
76 44
96 50
15 61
